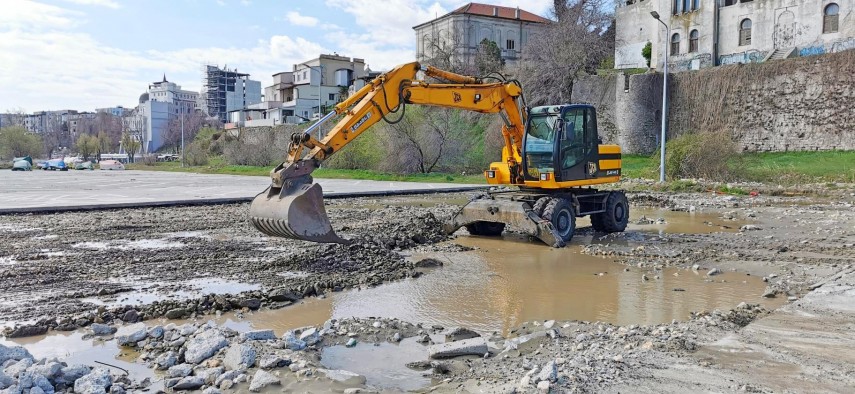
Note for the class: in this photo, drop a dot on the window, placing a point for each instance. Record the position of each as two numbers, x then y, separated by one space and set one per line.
676 7
696 5
675 44
745 32
830 19
510 44
693 41
332 96
686 5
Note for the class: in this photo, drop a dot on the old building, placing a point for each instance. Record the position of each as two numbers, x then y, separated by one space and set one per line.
714 32
462 30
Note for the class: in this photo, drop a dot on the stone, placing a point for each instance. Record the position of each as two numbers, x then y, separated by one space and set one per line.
714 271
228 375
210 375
27 331
250 303
549 372
102 329
259 335
770 292
282 295
204 345
396 337
211 390
180 370
271 362
428 263
549 324
376 324
189 383
543 386
133 338
473 346
49 369
131 316
94 382
116 389
239 356
292 342
311 336
156 332
71 373
166 360
5 380
750 227
18 367
460 333
347 377
262 379
176 313
226 384
696 267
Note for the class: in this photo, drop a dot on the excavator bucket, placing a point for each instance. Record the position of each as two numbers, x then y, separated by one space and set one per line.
295 210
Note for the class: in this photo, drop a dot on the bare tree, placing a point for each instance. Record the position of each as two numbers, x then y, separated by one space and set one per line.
193 122
448 50
565 50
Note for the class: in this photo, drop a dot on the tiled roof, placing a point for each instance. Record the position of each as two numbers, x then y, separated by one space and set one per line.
495 11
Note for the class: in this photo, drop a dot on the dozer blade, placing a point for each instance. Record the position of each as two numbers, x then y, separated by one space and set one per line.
294 211
514 213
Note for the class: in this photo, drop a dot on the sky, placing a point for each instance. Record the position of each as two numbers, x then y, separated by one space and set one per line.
87 54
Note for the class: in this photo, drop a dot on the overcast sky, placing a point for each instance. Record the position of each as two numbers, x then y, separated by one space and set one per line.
83 54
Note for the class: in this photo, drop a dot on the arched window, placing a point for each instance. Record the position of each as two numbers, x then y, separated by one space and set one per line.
675 44
745 32
696 4
693 41
830 18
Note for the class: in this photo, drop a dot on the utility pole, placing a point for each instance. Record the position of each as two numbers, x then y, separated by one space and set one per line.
182 138
320 106
664 99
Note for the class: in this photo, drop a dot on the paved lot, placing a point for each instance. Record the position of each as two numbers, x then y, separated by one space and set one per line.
48 190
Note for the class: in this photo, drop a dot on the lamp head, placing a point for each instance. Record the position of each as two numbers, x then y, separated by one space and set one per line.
654 14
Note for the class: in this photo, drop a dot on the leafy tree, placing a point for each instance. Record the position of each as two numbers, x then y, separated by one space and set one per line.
16 141
86 145
489 57
647 52
131 145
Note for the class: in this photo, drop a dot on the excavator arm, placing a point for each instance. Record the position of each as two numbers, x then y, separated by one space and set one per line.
293 207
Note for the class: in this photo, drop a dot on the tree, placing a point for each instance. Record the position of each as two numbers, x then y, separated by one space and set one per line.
16 141
573 46
193 122
488 59
86 145
103 144
130 145
647 52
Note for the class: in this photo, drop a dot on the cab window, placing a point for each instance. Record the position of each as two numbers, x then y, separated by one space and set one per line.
573 146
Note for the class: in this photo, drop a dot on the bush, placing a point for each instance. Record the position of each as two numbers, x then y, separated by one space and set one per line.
16 141
712 156
252 150
195 155
149 160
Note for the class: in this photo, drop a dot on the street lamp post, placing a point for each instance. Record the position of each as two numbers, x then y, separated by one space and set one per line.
182 138
664 100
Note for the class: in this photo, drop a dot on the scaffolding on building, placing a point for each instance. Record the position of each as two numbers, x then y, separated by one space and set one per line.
215 85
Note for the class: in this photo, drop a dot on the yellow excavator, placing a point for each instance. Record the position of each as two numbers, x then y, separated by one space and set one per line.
552 155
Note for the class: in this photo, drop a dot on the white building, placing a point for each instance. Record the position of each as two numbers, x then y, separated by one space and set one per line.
181 101
227 90
714 32
162 102
464 28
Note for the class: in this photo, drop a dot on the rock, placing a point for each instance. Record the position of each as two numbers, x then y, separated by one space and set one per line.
347 377
396 337
351 342
49 369
282 295
473 346
714 271
251 303
696 267
204 345
424 338
428 263
239 356
271 362
69 374
543 386
226 384
311 336
166 360
259 335
750 227
176 313
376 324
27 331
34 381
94 382
189 383
131 316
133 338
180 370
460 333
211 390
156 332
548 324
102 329
5 380
210 374
549 373
116 389
228 375
770 292
419 365
262 379
14 370
292 342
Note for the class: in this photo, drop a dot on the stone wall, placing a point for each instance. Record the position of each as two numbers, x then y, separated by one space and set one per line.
788 105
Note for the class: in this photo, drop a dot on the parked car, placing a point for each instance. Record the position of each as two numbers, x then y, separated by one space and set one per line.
167 157
84 165
111 165
41 164
55 164
22 164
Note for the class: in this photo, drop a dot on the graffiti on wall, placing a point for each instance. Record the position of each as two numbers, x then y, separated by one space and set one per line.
786 30
843 45
812 51
751 56
819 48
695 62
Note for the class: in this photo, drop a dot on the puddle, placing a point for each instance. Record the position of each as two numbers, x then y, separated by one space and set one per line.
128 245
676 222
383 365
193 288
8 260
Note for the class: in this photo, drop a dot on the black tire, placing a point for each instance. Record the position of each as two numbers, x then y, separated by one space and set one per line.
616 216
540 205
560 213
490 229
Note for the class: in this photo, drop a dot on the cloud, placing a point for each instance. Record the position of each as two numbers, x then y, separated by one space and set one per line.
103 3
301 20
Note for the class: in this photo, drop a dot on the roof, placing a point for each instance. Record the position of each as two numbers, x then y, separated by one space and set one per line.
488 9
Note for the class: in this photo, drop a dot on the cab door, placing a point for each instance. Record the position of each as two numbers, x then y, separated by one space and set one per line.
576 149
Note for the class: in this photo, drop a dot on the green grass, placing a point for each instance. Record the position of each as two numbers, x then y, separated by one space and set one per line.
218 166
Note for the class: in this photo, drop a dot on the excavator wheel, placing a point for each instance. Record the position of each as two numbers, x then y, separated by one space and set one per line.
560 213
616 216
540 205
490 229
